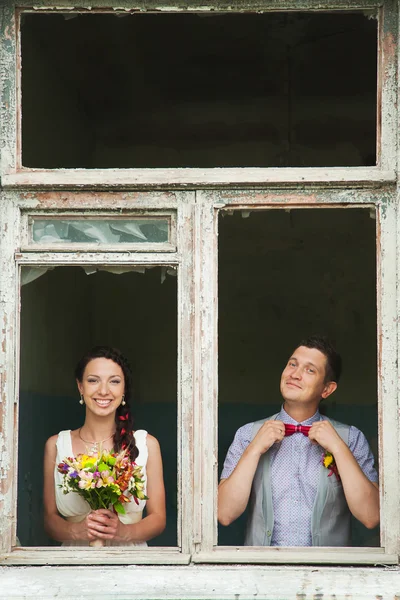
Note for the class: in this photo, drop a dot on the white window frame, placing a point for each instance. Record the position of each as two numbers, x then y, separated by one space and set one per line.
383 203
196 259
182 260
28 217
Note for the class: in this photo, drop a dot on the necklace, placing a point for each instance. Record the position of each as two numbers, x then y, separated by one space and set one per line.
95 446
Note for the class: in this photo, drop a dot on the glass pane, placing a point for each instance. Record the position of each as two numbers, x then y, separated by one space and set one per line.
85 231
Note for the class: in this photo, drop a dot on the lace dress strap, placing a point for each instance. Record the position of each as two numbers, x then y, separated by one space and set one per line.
141 445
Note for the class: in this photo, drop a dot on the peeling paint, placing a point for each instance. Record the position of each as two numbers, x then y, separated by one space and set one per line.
389 48
196 259
208 5
7 89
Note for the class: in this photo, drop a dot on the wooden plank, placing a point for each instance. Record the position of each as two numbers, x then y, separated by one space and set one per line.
197 412
204 5
72 179
388 386
90 248
9 227
186 372
96 258
207 253
320 198
106 556
387 85
8 102
318 556
123 203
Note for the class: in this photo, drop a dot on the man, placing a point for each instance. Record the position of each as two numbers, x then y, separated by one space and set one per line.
294 499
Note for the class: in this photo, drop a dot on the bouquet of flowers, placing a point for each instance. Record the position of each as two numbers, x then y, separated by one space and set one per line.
103 479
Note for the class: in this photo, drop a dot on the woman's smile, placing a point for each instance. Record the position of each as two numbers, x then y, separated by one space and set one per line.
102 402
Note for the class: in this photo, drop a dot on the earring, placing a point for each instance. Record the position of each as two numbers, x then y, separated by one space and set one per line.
123 400
81 401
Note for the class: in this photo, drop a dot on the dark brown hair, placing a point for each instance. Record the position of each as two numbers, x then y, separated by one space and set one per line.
333 368
123 437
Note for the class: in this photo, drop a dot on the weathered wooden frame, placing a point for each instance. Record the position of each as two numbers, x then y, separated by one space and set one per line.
28 244
182 259
214 190
383 201
15 174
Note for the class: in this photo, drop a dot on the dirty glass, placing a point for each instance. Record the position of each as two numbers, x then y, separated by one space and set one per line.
100 231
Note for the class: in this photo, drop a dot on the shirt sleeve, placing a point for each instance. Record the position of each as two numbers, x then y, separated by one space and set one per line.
240 442
362 453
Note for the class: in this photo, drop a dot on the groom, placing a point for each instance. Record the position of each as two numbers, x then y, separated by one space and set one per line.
275 465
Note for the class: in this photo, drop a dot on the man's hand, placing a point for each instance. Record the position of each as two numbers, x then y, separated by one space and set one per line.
324 434
268 434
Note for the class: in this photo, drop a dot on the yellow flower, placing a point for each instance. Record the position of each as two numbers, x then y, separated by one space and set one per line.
328 460
82 461
87 461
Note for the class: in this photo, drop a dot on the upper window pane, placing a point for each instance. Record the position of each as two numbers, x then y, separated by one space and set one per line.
198 90
99 231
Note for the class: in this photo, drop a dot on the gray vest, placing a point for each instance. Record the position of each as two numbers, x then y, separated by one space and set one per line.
331 518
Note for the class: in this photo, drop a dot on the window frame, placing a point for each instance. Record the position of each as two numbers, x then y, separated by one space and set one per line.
383 202
27 243
181 259
196 256
383 10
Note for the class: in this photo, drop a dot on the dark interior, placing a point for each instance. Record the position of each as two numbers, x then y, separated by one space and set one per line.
199 90
64 313
285 275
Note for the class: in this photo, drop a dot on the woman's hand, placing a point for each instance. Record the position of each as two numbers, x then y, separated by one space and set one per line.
103 524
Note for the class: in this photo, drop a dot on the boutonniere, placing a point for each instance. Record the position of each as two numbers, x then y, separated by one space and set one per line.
328 461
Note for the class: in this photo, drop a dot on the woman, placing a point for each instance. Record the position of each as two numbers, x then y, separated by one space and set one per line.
104 382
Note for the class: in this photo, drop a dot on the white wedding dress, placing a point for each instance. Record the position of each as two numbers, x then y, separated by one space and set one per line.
74 508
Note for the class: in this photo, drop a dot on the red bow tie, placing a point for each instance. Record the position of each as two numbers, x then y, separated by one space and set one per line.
291 429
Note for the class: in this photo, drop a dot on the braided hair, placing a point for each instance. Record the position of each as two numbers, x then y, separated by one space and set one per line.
123 436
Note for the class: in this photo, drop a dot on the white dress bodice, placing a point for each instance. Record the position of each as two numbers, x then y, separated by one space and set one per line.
74 508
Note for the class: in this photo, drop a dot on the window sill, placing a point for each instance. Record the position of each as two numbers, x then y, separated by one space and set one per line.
315 555
199 581
70 555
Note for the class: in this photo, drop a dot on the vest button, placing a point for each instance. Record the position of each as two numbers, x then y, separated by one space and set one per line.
268 533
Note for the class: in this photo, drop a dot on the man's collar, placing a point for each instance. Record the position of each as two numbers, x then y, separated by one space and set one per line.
285 418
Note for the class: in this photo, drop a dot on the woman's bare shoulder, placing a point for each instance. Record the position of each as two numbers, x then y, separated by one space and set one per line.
50 448
52 441
152 443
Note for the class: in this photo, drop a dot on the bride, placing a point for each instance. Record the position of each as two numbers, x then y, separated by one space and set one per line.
104 382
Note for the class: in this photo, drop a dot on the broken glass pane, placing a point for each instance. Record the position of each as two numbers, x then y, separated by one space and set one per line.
100 231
